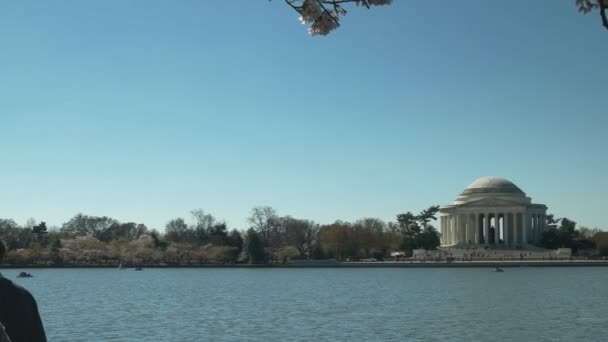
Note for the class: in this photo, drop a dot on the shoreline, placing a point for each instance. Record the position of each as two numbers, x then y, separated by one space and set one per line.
403 264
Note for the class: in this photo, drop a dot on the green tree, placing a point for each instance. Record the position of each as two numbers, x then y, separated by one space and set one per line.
40 232
14 236
567 232
177 230
428 238
235 239
409 228
55 247
84 225
157 242
203 224
218 234
416 230
550 238
317 252
255 248
126 231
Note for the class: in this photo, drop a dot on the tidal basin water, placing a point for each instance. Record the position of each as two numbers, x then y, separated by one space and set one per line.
443 304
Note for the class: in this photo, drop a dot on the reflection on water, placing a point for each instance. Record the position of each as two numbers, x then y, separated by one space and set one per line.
521 304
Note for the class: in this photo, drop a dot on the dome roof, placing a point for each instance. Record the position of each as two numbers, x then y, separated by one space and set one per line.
492 185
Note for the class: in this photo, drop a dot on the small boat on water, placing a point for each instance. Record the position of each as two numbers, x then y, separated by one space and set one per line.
24 275
498 269
138 269
121 267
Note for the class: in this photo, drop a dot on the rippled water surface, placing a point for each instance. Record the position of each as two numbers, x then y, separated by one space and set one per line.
521 304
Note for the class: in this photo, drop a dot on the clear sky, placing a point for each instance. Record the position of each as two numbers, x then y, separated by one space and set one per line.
145 110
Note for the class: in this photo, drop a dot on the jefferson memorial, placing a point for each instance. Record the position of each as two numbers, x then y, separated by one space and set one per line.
492 211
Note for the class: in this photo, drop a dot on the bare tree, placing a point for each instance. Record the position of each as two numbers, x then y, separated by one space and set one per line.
302 234
30 223
264 220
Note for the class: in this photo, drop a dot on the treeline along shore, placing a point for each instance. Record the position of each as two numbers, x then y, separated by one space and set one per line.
270 239
386 264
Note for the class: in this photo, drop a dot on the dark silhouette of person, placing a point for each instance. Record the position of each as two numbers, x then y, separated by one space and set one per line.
18 310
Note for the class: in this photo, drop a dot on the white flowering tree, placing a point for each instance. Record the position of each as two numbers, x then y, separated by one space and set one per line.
323 16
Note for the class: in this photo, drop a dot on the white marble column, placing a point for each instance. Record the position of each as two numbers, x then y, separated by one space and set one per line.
476 227
473 225
534 225
463 225
486 228
524 228
515 242
505 228
458 228
452 228
442 221
496 226
447 229
455 230
512 229
467 226
537 235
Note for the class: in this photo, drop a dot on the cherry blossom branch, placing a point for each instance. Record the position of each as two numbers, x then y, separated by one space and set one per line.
328 12
323 20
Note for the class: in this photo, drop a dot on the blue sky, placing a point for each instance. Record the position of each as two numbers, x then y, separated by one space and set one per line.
144 110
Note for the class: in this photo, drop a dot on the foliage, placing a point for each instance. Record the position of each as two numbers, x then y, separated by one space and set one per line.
565 235
84 225
40 231
177 230
271 238
235 240
265 221
416 230
255 247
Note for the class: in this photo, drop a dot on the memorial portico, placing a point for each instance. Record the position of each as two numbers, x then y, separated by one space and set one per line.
492 211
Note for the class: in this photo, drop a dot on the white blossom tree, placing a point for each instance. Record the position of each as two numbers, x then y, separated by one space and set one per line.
323 16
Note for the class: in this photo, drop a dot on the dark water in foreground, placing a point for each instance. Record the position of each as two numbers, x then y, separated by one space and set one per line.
521 304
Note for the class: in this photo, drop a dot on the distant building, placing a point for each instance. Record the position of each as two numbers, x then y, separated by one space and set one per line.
492 211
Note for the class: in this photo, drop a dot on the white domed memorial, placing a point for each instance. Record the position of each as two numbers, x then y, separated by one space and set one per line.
492 211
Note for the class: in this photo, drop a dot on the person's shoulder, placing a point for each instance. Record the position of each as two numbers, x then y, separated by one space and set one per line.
7 286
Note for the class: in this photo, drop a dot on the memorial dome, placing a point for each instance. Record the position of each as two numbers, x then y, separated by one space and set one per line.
492 185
